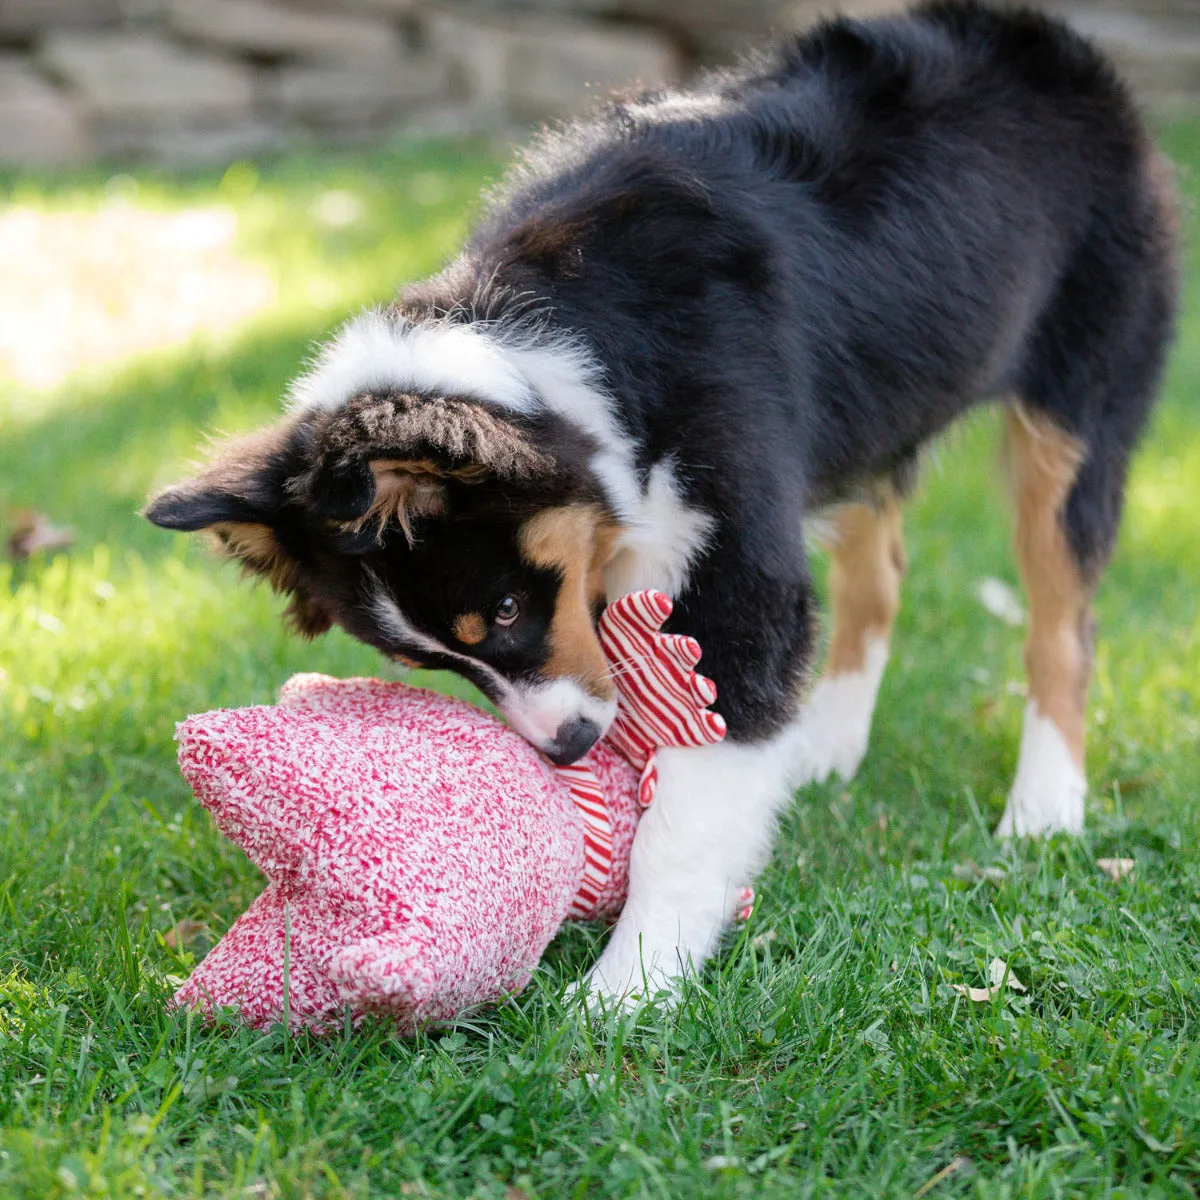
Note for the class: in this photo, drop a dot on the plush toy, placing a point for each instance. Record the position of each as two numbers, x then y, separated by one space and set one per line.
421 855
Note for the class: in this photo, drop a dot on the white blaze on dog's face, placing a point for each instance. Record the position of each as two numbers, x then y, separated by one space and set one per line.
440 534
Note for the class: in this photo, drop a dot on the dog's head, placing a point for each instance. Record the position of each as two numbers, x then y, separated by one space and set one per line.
437 529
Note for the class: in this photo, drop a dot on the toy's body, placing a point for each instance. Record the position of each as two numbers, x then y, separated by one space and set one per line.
421 854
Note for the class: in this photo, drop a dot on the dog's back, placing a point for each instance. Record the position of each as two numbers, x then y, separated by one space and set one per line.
882 215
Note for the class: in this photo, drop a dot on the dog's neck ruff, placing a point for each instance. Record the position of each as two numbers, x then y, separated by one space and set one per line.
522 369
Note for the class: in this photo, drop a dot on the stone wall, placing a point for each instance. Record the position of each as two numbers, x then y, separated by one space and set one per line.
212 80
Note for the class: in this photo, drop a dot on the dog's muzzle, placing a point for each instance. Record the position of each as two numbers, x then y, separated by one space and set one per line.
560 718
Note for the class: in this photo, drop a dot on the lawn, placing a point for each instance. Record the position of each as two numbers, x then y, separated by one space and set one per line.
826 1051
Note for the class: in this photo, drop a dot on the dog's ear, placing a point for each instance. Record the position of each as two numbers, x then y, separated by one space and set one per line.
395 457
238 498
245 483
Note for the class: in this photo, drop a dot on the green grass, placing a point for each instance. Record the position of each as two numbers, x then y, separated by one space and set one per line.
824 1052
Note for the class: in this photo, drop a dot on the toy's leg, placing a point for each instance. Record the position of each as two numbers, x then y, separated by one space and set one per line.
866 549
699 845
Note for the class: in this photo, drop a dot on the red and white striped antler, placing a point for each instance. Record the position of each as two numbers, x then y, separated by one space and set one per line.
662 699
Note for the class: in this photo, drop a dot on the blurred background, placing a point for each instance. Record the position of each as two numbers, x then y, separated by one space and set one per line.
204 81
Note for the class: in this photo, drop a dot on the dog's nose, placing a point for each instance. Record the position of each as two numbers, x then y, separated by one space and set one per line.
572 741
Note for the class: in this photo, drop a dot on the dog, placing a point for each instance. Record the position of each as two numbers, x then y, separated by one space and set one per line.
687 332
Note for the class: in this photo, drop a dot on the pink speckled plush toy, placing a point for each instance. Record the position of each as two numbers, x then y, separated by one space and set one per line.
421 855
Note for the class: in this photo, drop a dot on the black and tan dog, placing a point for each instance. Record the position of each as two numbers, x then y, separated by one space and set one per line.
682 329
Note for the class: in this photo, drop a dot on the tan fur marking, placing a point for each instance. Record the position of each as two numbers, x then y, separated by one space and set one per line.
470 628
248 540
608 533
867 562
408 488
403 490
578 541
255 547
1044 462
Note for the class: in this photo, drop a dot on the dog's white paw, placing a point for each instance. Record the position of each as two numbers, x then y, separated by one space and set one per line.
1048 793
623 982
835 725
1051 806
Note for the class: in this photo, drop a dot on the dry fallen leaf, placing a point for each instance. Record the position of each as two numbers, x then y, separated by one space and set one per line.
33 533
979 995
1116 868
183 933
1000 974
1001 601
961 1165
970 870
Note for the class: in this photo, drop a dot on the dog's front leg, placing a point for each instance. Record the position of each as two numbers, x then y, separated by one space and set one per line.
699 845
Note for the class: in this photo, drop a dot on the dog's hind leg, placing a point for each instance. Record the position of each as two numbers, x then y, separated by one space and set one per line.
1087 384
866 547
1048 792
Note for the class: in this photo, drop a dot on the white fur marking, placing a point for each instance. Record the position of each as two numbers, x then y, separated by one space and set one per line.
536 711
699 844
836 721
518 369
568 381
659 546
380 352
1048 792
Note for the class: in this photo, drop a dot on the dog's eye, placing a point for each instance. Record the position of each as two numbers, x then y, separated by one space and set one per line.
507 611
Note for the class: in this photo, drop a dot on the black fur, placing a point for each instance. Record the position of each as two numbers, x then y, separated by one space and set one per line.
798 273
839 249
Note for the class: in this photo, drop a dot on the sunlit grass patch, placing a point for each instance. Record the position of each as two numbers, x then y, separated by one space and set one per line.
90 288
